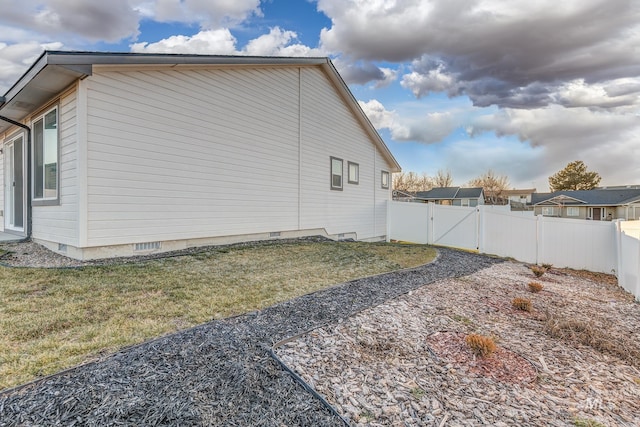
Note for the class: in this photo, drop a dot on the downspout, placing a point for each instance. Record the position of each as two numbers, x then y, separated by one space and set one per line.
28 129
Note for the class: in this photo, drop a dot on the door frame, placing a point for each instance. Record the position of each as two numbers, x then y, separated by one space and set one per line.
9 194
592 215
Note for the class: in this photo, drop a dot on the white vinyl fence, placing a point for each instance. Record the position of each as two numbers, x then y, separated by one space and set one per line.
629 260
601 246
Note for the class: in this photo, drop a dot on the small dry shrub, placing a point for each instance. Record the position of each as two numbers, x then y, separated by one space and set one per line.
523 304
547 266
535 287
480 345
538 271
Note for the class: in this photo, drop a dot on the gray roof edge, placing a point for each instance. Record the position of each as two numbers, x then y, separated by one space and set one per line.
61 57
35 68
631 200
57 57
559 196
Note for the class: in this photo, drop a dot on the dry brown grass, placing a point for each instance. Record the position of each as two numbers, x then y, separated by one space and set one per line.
593 334
51 319
608 279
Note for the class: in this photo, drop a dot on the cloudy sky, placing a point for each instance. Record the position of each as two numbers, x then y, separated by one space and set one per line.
518 86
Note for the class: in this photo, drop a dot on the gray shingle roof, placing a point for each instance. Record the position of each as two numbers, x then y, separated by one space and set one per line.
469 193
444 193
598 197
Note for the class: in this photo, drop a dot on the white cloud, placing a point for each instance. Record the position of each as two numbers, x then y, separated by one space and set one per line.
611 94
379 117
220 42
388 76
72 19
278 43
511 54
16 58
433 80
427 128
608 142
210 14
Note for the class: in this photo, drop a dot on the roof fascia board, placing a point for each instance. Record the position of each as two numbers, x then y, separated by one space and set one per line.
86 69
112 58
558 200
564 197
630 201
37 66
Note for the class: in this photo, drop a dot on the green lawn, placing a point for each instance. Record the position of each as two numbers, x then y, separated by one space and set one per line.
51 319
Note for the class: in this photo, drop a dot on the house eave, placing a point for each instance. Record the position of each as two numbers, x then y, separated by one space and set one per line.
41 82
54 71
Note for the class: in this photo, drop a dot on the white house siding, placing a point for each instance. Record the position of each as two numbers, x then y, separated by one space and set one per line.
191 153
60 223
382 196
2 189
329 128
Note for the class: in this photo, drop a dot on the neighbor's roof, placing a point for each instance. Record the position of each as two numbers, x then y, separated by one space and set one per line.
445 193
597 197
54 71
516 192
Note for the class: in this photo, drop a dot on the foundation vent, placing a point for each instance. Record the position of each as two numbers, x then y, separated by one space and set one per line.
274 234
62 247
147 246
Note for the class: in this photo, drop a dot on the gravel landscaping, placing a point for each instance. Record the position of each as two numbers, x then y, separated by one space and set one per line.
572 360
220 373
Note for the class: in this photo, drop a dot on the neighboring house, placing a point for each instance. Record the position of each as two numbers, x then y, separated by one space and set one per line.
521 196
453 196
597 204
402 196
114 154
516 197
618 187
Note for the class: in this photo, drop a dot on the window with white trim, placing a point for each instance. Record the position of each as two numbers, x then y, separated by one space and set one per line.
45 156
336 173
353 172
573 211
384 179
548 211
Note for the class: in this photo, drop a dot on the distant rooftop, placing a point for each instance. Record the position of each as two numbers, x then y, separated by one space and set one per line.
618 187
595 197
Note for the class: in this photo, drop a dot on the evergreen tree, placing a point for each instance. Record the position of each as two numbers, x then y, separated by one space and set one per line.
574 177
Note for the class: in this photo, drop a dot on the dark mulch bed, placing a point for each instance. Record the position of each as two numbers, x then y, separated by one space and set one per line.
219 373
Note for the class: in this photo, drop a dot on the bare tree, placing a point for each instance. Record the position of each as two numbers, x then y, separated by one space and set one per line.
410 182
492 186
443 178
